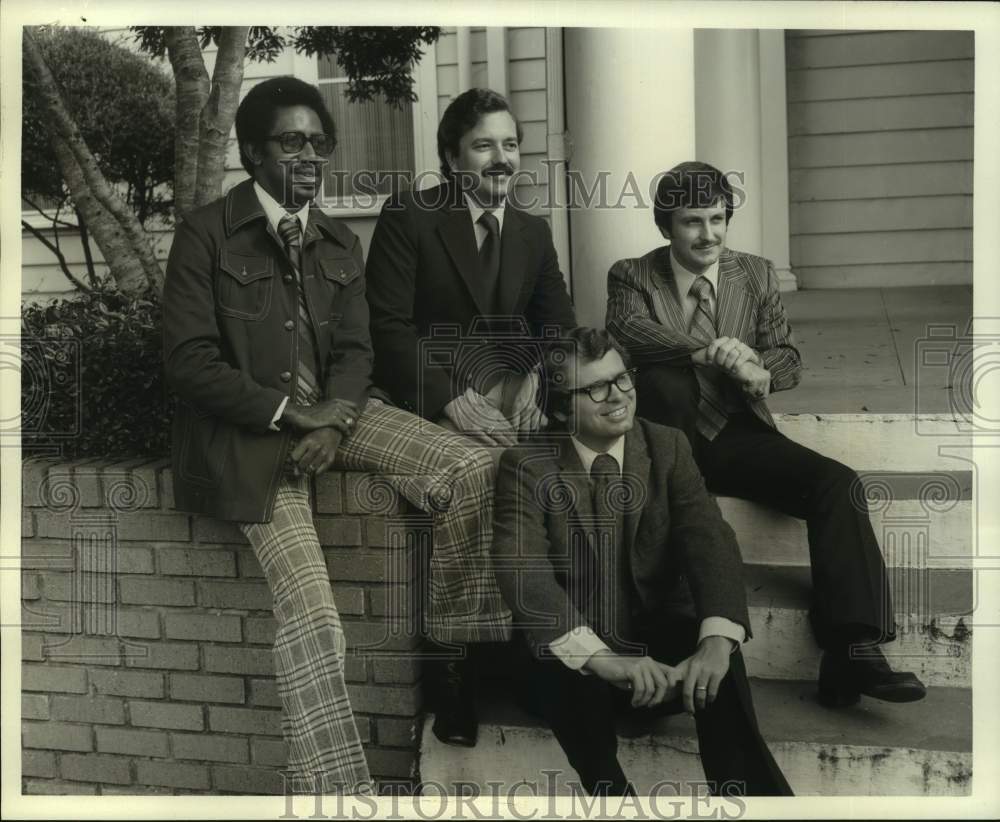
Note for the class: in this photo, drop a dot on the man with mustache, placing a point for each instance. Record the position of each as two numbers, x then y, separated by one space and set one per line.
267 346
462 285
706 327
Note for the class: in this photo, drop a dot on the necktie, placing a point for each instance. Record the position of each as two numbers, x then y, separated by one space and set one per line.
613 611
307 386
712 415
489 256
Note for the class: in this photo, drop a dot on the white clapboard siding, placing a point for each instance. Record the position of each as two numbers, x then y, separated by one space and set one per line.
880 140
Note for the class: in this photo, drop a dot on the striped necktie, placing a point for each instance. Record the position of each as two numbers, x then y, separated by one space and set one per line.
613 620
712 415
306 386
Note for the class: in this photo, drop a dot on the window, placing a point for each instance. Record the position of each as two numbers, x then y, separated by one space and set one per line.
372 137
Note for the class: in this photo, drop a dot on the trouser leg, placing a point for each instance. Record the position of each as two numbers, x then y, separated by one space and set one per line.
324 748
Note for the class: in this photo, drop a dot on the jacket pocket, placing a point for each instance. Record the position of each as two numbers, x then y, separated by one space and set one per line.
244 285
204 446
339 270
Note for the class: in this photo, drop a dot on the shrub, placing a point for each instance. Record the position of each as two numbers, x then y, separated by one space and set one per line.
92 377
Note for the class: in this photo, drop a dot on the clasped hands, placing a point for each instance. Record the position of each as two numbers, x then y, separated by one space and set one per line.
325 425
499 417
739 361
696 678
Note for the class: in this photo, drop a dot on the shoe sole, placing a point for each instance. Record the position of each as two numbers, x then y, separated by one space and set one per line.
898 694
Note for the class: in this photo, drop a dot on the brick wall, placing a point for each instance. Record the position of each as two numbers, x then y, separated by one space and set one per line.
146 634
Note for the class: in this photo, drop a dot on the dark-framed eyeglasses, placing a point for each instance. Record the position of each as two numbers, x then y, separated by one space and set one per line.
600 391
292 142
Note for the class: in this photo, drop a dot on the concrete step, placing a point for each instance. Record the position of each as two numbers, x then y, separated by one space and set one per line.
872 749
932 611
921 519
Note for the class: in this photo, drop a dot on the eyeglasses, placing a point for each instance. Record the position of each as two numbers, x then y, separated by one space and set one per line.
600 391
292 142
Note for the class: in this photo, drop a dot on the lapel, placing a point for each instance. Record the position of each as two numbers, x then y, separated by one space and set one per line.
635 472
574 477
513 260
731 307
459 238
667 302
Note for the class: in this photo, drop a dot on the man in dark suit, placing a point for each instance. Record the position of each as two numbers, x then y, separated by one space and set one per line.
624 579
706 326
462 287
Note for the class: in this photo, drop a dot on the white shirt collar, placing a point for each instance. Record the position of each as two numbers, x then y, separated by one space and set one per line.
685 278
476 211
274 212
588 455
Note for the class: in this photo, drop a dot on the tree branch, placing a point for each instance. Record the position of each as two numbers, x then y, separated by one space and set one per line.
192 84
48 218
59 255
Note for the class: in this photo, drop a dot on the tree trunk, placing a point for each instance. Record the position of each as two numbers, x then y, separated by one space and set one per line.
219 113
126 247
192 84
85 242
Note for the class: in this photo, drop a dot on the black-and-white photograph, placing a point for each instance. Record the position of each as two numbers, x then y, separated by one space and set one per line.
559 411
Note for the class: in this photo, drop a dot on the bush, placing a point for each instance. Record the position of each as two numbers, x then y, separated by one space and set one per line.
92 377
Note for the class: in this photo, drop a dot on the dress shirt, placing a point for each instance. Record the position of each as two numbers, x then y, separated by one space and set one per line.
476 211
579 644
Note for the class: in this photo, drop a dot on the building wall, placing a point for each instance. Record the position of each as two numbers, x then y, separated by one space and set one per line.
880 144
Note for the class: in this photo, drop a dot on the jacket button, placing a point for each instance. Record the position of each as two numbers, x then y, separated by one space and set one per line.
287 278
286 376
289 325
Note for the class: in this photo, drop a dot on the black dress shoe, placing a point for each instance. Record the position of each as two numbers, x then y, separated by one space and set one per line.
455 721
842 679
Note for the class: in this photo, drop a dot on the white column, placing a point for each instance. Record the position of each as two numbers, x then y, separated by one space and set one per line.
740 126
630 116
463 51
496 59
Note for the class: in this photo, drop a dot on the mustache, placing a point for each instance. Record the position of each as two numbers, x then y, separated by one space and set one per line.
497 169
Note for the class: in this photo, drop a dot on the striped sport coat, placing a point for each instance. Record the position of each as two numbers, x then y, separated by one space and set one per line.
645 315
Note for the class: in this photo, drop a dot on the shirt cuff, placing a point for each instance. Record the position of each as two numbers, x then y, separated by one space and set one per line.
720 626
575 647
277 415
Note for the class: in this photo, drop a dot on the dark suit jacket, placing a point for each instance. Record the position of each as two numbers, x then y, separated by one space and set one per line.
423 272
673 530
230 300
645 314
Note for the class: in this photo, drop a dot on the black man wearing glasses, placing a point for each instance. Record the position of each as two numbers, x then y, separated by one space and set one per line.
266 345
625 581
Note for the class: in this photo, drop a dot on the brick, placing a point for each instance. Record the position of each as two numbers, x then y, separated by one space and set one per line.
364 725
356 668
381 635
95 768
245 721
200 688
209 747
95 709
87 480
86 650
139 623
329 493
117 559
379 535
260 630
384 699
239 660
166 488
264 692
52 617
368 566
176 655
33 476
47 555
248 781
38 763
391 763
172 774
198 562
404 670
400 733
338 531
396 601
350 599
32 647
34 706
166 715
27 524
248 596
131 487
55 787
159 527
128 683
31 586
57 736
61 678
133 790
369 494
79 587
249 566
207 529
269 752
136 743
214 627
139 591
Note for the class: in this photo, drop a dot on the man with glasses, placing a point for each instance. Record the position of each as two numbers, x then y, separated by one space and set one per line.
266 345
624 580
